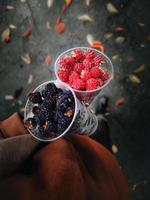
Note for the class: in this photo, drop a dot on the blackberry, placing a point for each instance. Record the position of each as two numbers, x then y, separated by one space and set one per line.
36 110
36 98
51 87
41 130
48 104
62 124
50 127
30 123
40 119
64 101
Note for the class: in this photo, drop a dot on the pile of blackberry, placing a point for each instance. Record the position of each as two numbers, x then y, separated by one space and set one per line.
53 110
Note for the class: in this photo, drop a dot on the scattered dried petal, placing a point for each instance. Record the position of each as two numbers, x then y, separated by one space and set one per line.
114 148
87 2
120 39
48 59
64 8
141 24
30 79
9 7
68 2
85 17
26 58
49 3
27 33
11 26
90 39
60 26
135 79
23 1
98 45
48 25
115 57
130 59
6 35
108 35
9 97
139 69
22 109
120 101
111 8
119 29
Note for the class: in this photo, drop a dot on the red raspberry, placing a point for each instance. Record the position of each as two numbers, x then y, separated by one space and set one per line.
92 84
63 75
86 74
78 84
98 60
100 82
78 67
73 76
105 75
70 61
88 64
78 55
90 54
96 72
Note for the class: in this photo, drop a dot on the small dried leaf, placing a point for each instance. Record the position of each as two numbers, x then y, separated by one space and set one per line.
119 29
68 2
120 101
97 45
141 24
85 17
108 35
48 59
48 25
11 26
87 2
9 7
111 8
22 109
26 58
90 39
135 79
64 8
120 39
115 57
60 27
6 35
9 97
49 3
114 148
27 33
30 79
139 69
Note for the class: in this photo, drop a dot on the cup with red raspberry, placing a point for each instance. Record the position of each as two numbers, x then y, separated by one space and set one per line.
52 111
84 69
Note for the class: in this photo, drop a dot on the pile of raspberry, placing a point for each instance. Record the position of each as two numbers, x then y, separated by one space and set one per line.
53 110
83 70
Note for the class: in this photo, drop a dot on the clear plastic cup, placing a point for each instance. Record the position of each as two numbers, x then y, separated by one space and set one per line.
88 96
83 122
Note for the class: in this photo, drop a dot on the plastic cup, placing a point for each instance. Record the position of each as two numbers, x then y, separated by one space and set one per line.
88 96
83 122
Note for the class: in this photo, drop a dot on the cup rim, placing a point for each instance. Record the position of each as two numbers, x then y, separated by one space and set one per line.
86 91
74 116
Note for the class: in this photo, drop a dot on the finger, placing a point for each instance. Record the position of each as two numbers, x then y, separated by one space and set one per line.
13 151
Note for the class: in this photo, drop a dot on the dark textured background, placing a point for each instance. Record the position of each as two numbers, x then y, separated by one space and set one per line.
129 123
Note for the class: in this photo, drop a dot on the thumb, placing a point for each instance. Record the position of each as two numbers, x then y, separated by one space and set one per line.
14 150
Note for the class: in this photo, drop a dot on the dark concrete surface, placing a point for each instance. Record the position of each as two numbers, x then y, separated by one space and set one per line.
129 123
